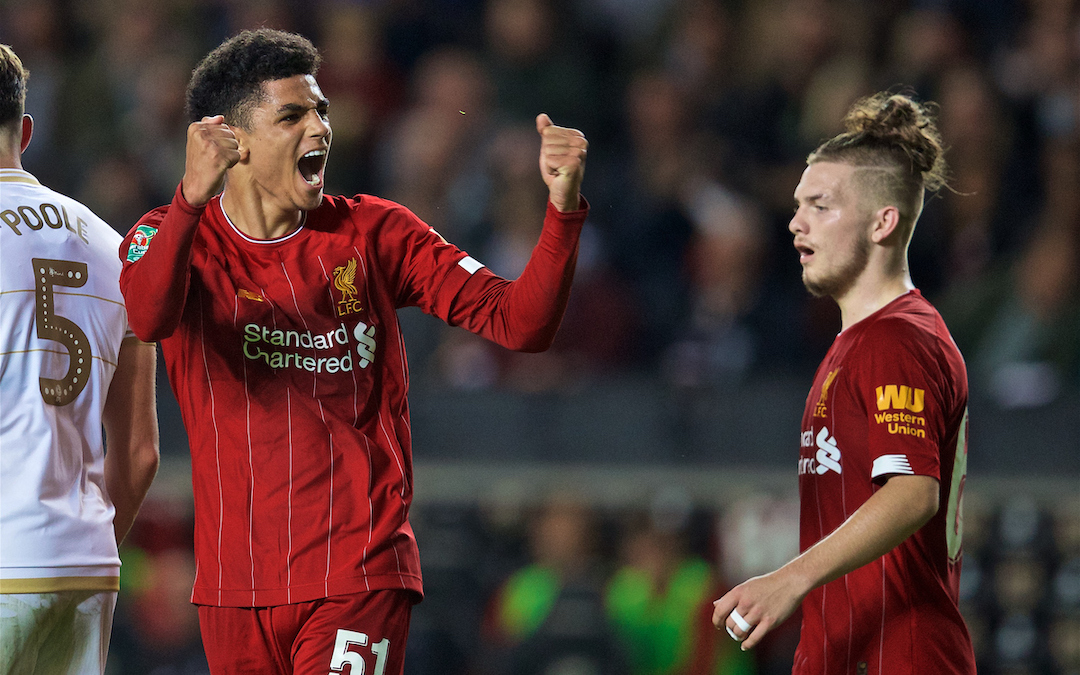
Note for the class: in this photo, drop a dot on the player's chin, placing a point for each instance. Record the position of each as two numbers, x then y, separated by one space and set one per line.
308 196
311 201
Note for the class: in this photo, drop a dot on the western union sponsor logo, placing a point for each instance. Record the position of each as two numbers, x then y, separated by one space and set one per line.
899 418
900 397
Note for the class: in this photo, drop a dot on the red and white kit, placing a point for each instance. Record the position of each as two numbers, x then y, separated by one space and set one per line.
889 399
289 366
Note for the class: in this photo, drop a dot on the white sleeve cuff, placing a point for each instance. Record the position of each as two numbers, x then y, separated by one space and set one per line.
891 464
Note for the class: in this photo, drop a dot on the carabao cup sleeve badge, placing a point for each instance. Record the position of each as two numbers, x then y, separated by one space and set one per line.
140 242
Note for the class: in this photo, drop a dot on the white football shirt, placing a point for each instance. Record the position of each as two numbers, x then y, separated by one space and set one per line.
62 320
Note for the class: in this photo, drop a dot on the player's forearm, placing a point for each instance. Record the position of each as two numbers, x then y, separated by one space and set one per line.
128 476
895 512
155 285
131 432
525 314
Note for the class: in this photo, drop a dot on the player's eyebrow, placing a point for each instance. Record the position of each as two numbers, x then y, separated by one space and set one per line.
810 199
296 107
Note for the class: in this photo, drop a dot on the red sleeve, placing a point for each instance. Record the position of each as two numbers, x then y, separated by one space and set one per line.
525 314
906 394
155 277
425 270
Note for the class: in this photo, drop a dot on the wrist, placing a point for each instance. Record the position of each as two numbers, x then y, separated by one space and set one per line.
799 576
181 199
192 197
567 205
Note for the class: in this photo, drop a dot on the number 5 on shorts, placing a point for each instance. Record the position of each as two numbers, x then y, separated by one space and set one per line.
342 655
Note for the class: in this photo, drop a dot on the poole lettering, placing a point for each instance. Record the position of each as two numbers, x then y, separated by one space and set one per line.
35 219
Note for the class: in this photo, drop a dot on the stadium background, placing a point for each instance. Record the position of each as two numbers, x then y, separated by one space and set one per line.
662 426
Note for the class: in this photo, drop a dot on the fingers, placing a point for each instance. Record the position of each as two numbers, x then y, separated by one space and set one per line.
212 149
727 616
741 625
216 138
756 634
738 627
740 622
562 162
723 607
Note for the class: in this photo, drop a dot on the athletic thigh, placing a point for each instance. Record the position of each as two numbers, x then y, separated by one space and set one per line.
364 632
62 632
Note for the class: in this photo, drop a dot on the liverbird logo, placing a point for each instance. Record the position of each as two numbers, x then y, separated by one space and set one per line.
345 281
821 409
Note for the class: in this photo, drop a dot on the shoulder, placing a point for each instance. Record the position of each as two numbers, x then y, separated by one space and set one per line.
152 218
367 206
908 321
910 331
368 213
80 220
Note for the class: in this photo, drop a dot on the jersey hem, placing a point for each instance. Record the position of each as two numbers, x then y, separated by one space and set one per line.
274 597
58 584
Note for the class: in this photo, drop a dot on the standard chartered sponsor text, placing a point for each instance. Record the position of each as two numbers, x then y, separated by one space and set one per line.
276 348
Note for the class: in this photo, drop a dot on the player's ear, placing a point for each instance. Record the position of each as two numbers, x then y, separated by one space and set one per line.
242 142
886 221
27 132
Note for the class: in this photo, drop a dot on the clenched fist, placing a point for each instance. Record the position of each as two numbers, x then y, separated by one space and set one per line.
562 162
212 150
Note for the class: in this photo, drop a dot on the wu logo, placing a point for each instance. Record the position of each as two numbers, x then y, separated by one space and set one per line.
345 282
820 410
828 455
900 397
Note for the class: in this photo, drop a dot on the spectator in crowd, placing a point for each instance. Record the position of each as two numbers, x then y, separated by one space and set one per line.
549 616
659 601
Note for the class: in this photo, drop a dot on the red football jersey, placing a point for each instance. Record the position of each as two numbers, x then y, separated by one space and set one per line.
890 398
288 363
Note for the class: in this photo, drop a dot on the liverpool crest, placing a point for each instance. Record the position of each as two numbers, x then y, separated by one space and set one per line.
345 283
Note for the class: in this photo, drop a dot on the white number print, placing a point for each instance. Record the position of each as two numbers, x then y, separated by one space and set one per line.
344 656
52 326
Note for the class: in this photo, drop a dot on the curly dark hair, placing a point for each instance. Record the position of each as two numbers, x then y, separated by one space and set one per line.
13 77
229 80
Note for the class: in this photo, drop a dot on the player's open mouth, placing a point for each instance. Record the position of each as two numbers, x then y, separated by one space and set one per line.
311 167
805 252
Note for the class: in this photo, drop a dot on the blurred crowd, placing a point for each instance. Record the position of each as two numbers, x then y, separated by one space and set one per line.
700 114
567 587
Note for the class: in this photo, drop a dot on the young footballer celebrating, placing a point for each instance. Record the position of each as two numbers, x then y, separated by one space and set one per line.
275 308
883 444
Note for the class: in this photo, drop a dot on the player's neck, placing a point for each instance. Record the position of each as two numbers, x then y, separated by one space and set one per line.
14 138
256 217
872 291
10 157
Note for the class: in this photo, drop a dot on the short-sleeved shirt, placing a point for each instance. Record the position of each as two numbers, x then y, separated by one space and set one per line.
62 321
289 366
889 399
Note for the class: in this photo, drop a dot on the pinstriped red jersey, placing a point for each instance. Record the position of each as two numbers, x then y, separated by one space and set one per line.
889 399
289 367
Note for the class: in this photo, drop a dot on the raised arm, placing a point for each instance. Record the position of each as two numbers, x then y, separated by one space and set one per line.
131 432
525 314
155 278
895 512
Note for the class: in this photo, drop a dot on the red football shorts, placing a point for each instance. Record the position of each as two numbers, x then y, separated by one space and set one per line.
349 634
